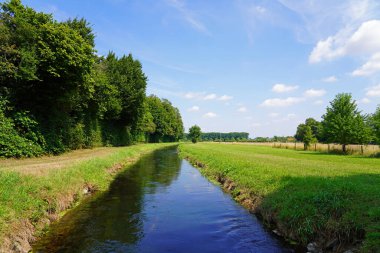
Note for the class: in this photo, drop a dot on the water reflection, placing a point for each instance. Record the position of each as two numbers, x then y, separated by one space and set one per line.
162 204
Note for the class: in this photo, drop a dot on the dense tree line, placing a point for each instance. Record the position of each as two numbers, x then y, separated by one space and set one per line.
57 94
216 136
342 123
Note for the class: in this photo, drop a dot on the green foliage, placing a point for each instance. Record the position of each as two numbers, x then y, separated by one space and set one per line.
316 128
306 134
18 144
308 137
374 121
195 133
167 121
344 124
63 96
233 136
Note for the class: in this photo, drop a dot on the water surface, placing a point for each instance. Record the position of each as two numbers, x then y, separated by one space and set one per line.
162 204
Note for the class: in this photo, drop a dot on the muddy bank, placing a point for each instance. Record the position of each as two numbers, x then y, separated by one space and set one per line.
326 241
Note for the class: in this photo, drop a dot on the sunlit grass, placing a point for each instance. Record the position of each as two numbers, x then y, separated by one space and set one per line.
311 194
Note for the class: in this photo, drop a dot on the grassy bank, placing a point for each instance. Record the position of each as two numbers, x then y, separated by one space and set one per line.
34 191
310 196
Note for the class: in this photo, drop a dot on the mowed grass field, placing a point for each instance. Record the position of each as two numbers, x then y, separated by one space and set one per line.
311 196
35 190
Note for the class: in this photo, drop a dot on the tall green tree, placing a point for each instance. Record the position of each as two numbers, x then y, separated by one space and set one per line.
316 128
166 118
344 124
195 133
308 137
375 124
63 96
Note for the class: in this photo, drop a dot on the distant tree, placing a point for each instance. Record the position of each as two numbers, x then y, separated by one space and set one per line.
167 120
343 123
316 128
300 132
195 133
375 124
308 137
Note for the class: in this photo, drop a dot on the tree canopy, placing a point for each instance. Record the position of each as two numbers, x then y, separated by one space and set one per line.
58 94
343 123
195 133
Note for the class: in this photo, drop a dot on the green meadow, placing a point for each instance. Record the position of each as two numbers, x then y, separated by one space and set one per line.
310 196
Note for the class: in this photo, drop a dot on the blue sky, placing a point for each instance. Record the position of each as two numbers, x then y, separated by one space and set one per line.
256 66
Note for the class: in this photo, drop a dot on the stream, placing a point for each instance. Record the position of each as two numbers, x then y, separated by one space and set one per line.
161 204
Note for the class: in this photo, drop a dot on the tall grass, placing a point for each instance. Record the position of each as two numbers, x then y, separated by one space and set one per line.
365 150
311 196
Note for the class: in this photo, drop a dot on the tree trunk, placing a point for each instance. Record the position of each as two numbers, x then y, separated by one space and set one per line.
344 148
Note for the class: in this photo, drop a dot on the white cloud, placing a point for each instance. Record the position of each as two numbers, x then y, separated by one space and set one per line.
192 95
314 93
273 115
282 88
330 79
193 109
225 98
188 16
206 96
209 115
370 67
242 109
209 97
318 102
364 101
364 41
373 91
279 102
256 124
260 9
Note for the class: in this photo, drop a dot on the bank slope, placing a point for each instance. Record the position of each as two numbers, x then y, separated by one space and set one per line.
310 197
33 192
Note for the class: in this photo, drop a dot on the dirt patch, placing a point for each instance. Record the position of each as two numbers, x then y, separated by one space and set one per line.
20 238
119 166
39 166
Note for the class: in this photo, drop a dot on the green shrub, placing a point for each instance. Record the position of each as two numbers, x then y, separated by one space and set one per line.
14 144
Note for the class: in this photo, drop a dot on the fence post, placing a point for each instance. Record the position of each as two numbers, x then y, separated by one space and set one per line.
362 149
328 147
315 147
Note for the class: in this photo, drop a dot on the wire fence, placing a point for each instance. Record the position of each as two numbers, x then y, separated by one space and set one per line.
321 147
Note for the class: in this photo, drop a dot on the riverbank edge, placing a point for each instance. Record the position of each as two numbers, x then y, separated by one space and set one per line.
22 233
252 202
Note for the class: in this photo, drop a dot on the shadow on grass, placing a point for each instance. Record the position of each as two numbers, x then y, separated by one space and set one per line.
339 154
334 211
